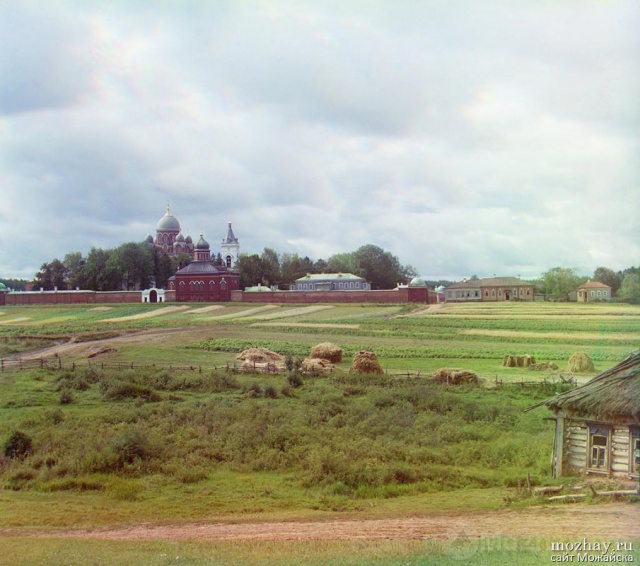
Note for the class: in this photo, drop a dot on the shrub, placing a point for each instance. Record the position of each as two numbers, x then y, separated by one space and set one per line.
66 397
18 445
270 392
130 444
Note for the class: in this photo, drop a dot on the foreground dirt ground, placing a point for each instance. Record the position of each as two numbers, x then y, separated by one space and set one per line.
611 521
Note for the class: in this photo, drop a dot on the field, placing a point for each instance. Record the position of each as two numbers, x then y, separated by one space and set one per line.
178 441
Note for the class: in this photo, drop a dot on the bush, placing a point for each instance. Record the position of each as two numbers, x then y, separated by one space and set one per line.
129 445
66 397
18 445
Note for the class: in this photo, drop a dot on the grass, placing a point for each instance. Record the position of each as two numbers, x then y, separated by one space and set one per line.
210 446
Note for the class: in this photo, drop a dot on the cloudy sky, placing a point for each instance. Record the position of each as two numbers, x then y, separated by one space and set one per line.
466 137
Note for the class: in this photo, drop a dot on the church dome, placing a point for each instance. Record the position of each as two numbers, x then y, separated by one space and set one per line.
168 222
179 238
202 244
149 239
417 282
3 287
188 240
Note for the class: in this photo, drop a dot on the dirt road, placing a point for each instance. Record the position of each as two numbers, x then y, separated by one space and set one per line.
613 521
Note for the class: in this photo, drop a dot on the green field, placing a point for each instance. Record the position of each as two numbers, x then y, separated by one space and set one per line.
159 444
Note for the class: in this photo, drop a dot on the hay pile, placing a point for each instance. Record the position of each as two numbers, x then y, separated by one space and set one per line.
455 376
580 363
261 359
327 351
544 366
316 365
510 361
366 362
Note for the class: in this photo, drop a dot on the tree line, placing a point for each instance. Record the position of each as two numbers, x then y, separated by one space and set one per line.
558 282
133 266
379 267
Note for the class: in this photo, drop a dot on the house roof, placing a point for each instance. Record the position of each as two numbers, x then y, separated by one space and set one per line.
197 268
330 277
612 393
593 285
489 282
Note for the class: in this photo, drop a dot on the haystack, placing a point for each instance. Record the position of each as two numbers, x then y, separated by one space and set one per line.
366 362
327 351
259 355
316 365
455 376
544 366
511 361
262 360
580 363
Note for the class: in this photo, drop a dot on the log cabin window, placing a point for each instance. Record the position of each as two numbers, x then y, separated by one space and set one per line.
599 448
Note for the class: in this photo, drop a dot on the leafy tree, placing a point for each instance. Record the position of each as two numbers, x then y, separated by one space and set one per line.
608 277
558 282
382 269
321 266
134 264
252 270
343 263
98 274
51 276
15 284
271 266
163 269
73 265
630 289
293 267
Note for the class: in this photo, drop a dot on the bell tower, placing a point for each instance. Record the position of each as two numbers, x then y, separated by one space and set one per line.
230 249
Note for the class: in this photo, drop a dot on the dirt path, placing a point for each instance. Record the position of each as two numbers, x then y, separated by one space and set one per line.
83 349
611 522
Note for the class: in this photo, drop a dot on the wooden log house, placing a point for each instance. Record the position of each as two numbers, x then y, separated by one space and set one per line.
597 424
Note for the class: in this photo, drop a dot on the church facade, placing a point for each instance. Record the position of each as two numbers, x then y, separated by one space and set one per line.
202 281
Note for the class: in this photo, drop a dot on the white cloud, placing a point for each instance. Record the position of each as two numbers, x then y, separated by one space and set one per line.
464 138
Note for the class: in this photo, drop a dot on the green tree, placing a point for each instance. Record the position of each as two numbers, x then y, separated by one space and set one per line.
252 270
608 277
98 274
382 269
163 269
73 265
320 266
51 276
271 266
558 282
630 288
134 264
343 263
293 267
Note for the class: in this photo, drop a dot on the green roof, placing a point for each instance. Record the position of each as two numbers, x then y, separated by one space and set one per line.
330 277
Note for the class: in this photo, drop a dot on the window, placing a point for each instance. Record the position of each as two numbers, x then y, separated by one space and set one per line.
598 455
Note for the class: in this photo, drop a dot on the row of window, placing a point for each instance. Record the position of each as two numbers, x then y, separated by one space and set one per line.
604 293
476 293
343 285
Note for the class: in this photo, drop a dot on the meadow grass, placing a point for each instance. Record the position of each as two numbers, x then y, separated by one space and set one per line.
122 446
